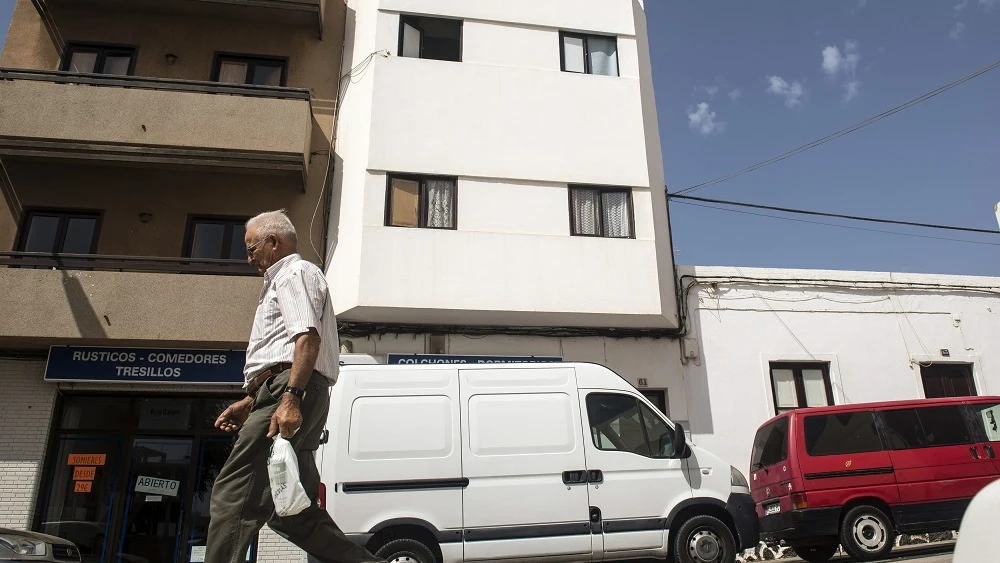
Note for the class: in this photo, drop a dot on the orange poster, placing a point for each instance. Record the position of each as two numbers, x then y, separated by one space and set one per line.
84 473
82 486
87 459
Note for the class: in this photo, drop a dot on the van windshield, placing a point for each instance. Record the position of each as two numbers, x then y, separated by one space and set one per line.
771 445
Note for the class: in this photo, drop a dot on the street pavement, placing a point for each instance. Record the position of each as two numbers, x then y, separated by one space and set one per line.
938 553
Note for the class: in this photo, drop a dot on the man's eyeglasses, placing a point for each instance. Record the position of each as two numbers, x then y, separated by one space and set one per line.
252 248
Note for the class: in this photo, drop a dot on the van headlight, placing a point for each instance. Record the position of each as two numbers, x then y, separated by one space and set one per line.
24 546
736 479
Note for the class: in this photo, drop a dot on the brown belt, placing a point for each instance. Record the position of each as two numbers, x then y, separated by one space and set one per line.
259 380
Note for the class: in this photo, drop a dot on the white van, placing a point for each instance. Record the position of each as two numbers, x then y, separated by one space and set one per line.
505 462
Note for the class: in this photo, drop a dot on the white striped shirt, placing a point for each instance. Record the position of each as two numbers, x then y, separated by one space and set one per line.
294 299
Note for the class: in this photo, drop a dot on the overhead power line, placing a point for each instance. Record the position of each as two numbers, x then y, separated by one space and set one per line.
836 225
844 131
837 215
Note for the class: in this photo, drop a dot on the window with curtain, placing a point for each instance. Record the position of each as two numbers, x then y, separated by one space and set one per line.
421 201
98 59
259 71
589 54
601 212
800 385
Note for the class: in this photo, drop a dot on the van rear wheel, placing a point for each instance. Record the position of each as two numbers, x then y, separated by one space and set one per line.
704 539
815 553
866 533
406 551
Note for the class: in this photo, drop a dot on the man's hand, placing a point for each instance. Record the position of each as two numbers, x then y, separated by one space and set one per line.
235 415
287 418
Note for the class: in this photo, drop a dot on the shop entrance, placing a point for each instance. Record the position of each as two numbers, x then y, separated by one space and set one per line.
130 479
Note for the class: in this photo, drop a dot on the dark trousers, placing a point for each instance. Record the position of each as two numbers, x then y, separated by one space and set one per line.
241 497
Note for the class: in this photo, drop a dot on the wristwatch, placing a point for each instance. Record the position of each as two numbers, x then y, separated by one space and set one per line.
300 393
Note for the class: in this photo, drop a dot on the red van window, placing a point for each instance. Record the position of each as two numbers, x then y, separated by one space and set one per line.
926 427
845 433
770 446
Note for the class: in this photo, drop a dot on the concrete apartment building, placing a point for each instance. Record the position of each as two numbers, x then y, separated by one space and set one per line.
142 134
499 187
496 192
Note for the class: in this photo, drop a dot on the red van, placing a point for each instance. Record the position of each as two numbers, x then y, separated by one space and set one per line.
858 475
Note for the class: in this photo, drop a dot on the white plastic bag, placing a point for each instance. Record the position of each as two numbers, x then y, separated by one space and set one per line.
283 470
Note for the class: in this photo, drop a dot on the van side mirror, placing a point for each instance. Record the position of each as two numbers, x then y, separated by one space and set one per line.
681 450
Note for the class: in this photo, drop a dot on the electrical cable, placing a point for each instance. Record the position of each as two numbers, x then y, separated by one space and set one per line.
837 215
844 131
358 70
841 226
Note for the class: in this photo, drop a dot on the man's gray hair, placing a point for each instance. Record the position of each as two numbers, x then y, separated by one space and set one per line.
276 222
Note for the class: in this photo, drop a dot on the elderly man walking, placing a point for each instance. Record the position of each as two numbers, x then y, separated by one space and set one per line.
291 363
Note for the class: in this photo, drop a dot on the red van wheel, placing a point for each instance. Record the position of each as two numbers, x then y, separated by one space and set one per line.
866 533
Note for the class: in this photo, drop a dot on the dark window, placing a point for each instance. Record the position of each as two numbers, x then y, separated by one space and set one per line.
600 212
421 201
770 445
247 69
430 38
926 427
99 59
59 231
217 238
797 386
948 380
658 398
622 423
589 54
846 433
987 416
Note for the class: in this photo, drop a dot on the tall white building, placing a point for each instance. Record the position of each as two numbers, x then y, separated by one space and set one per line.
498 188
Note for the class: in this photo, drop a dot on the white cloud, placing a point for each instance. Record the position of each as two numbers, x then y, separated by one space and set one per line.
793 93
735 94
990 3
837 63
851 90
961 6
711 90
956 31
831 60
702 120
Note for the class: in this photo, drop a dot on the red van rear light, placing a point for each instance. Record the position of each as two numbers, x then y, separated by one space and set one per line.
799 501
322 496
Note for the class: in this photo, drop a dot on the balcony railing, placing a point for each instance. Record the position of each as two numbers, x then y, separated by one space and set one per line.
114 263
141 82
92 117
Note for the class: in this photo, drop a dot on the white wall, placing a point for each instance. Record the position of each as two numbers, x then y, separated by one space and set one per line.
515 131
872 336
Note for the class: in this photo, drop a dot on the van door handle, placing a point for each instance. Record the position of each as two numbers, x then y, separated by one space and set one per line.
975 452
595 476
989 451
574 477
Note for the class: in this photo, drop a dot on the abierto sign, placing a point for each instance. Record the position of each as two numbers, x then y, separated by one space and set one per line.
157 486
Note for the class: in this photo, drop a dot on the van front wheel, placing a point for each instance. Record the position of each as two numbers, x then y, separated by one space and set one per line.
406 551
704 539
866 533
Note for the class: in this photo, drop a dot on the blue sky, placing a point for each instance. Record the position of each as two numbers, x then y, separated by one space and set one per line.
774 75
803 70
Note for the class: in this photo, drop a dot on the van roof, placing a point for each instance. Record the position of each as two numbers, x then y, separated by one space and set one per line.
903 403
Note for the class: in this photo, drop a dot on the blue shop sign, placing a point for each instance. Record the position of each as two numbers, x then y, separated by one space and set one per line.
145 365
417 359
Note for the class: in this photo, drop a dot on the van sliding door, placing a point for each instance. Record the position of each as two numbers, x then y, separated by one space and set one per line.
523 456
